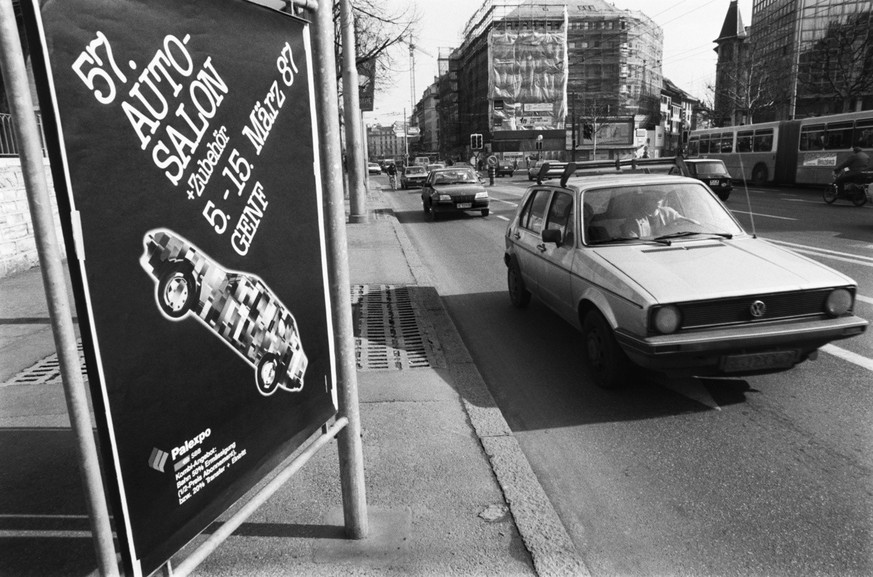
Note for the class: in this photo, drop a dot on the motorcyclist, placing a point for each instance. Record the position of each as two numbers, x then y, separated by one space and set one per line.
856 163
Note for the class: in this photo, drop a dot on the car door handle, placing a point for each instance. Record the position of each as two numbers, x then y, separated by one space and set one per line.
541 247
516 236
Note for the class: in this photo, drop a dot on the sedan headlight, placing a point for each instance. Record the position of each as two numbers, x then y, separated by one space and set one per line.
667 319
481 195
445 198
838 302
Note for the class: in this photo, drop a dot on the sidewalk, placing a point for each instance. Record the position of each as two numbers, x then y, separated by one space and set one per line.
448 490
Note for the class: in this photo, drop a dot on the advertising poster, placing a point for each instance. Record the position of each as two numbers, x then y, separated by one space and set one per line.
185 155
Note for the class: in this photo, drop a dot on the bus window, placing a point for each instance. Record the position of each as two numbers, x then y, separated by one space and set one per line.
727 142
863 136
704 144
693 146
838 136
744 141
812 137
763 140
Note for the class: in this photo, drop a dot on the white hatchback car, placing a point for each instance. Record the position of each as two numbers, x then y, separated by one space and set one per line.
654 269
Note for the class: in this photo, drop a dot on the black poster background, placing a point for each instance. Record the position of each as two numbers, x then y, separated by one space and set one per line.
165 382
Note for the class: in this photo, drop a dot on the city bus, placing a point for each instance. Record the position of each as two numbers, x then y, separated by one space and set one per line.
801 151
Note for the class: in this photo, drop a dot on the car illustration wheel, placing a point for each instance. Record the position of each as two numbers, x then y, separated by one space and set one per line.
518 293
608 364
177 290
268 374
830 193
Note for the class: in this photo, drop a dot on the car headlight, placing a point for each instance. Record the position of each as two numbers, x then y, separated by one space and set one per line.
667 319
838 302
445 198
481 195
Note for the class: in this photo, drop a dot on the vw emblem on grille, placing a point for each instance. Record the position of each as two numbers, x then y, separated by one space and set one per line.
758 309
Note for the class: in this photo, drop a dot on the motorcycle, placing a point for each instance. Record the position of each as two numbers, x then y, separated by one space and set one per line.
858 192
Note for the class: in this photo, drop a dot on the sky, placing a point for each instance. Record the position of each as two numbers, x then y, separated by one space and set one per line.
689 27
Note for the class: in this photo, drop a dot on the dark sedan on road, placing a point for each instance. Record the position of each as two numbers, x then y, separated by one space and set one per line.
453 190
413 176
711 172
505 168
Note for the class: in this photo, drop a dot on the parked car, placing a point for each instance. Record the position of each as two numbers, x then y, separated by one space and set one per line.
435 165
710 171
656 272
236 306
413 176
556 168
453 190
374 168
505 168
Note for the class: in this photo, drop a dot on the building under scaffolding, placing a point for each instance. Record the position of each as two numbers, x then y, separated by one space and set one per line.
530 68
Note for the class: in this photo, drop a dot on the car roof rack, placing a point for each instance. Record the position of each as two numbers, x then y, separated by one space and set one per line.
645 165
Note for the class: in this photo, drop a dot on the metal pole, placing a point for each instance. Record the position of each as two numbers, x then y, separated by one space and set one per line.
33 169
352 114
349 440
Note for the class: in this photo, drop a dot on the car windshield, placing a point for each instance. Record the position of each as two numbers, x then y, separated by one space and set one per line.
709 168
415 170
461 176
654 212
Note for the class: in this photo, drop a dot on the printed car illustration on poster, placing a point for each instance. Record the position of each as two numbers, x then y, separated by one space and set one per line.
237 306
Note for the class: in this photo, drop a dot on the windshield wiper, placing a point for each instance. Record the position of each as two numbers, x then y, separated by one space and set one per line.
628 239
684 233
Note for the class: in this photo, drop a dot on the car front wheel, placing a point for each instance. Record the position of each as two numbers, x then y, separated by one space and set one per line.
268 374
608 364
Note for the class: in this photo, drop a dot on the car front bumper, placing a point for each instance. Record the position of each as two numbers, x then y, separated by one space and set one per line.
455 206
746 349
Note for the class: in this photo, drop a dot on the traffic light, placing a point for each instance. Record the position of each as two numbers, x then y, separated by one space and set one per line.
476 141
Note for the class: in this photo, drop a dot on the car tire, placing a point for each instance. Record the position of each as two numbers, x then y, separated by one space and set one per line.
519 296
485 212
177 290
607 362
829 194
268 374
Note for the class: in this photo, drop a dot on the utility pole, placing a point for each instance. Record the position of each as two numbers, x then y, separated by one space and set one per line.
349 439
355 161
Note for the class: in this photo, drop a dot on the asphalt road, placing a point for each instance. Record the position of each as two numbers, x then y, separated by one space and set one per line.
769 475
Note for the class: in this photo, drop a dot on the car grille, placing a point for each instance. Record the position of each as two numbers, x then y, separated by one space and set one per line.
463 197
739 310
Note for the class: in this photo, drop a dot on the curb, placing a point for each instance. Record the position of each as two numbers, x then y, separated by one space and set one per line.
553 552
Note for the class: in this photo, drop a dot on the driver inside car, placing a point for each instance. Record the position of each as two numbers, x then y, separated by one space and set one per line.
650 216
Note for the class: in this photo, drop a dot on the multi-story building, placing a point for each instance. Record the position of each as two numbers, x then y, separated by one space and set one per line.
811 57
533 73
427 120
386 142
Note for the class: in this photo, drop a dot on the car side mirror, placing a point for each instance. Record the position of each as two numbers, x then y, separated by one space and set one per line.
553 235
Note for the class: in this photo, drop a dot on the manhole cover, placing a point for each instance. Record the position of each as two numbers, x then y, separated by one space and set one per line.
46 371
387 334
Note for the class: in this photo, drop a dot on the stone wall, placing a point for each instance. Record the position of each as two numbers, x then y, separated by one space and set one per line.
17 243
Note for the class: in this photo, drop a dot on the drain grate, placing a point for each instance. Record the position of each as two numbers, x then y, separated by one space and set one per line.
46 372
387 335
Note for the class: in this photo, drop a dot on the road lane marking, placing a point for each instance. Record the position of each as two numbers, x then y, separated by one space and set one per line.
501 217
864 299
504 201
764 215
826 253
849 356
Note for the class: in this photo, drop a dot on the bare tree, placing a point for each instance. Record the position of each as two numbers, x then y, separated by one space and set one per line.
378 31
